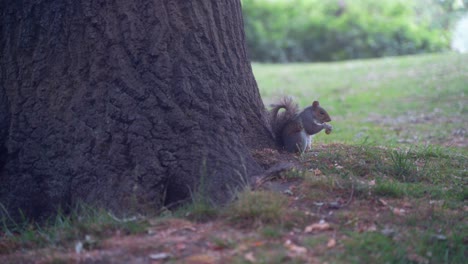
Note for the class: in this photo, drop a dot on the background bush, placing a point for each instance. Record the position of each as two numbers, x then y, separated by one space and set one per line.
317 30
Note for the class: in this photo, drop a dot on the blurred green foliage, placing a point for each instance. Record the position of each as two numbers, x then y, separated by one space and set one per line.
316 30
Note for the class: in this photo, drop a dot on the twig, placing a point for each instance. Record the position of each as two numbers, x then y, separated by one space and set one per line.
125 220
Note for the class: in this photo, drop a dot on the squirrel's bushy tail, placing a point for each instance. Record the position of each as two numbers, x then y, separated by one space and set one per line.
279 120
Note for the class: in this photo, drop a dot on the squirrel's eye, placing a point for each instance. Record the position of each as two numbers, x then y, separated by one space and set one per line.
322 112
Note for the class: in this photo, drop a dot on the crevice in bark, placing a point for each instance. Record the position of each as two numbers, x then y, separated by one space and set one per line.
4 126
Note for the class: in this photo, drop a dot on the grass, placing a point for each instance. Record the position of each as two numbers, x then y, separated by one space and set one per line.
390 181
373 247
414 99
271 232
419 244
85 224
402 125
258 208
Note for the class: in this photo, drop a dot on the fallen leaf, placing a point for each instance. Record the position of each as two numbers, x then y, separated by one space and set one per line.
189 228
372 228
399 211
200 259
320 226
417 258
407 205
294 248
439 237
258 243
382 201
388 232
159 256
78 247
180 246
436 202
242 247
216 246
317 172
372 183
250 257
331 243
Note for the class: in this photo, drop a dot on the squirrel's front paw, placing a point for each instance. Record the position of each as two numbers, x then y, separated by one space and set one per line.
328 128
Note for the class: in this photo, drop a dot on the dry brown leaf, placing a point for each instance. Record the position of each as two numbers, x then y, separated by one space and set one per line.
215 246
250 257
436 202
382 201
417 258
180 246
366 228
320 226
258 243
317 172
295 248
242 247
200 259
372 228
407 205
399 211
331 243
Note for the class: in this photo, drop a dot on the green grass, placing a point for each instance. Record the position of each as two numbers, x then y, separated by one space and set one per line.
420 245
414 172
271 232
200 209
385 101
257 208
373 247
63 229
400 123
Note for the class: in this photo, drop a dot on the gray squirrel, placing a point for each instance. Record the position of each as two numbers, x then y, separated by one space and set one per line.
293 129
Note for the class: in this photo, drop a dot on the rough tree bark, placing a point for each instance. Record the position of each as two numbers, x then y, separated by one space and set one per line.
124 104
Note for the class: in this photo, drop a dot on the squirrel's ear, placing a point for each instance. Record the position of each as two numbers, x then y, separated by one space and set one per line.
315 104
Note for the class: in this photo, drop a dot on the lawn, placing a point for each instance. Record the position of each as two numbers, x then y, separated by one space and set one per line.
388 185
417 99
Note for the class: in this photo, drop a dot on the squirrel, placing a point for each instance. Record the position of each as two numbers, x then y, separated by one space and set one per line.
293 129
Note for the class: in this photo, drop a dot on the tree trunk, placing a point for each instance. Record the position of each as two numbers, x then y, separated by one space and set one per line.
124 104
